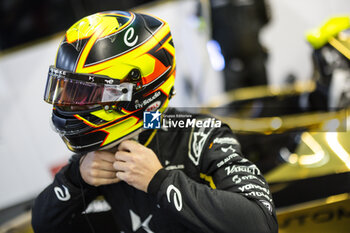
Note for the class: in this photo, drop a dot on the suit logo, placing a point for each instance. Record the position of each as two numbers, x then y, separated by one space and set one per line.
137 224
62 195
197 142
225 149
177 197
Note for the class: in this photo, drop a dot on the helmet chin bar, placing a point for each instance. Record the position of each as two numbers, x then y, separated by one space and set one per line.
113 147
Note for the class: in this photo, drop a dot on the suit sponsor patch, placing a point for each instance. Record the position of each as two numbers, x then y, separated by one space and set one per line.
196 143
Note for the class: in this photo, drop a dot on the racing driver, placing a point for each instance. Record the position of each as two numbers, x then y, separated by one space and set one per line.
112 79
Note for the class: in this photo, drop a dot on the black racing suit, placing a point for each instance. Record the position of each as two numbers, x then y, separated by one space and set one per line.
206 185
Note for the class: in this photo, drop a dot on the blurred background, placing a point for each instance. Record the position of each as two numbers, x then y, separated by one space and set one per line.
221 46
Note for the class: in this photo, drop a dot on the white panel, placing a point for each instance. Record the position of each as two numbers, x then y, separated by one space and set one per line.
284 37
28 146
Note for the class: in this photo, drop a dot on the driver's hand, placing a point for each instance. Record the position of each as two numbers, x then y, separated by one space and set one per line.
97 169
136 164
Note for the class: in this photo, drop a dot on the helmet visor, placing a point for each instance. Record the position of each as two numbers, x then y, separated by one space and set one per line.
68 88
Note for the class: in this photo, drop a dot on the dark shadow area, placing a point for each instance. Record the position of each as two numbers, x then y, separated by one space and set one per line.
24 21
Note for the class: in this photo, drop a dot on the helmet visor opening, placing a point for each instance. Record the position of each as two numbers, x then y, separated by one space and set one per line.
68 88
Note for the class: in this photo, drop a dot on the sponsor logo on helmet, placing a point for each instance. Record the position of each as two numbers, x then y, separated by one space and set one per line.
109 81
128 36
153 106
55 71
147 101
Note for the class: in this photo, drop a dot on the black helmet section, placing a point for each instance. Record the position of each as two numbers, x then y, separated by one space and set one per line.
74 131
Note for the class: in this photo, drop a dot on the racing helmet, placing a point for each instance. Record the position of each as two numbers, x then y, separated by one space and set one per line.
110 68
331 60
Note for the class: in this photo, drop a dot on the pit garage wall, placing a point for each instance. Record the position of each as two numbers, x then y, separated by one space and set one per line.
28 146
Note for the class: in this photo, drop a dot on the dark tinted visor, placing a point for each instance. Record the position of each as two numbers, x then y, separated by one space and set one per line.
68 88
